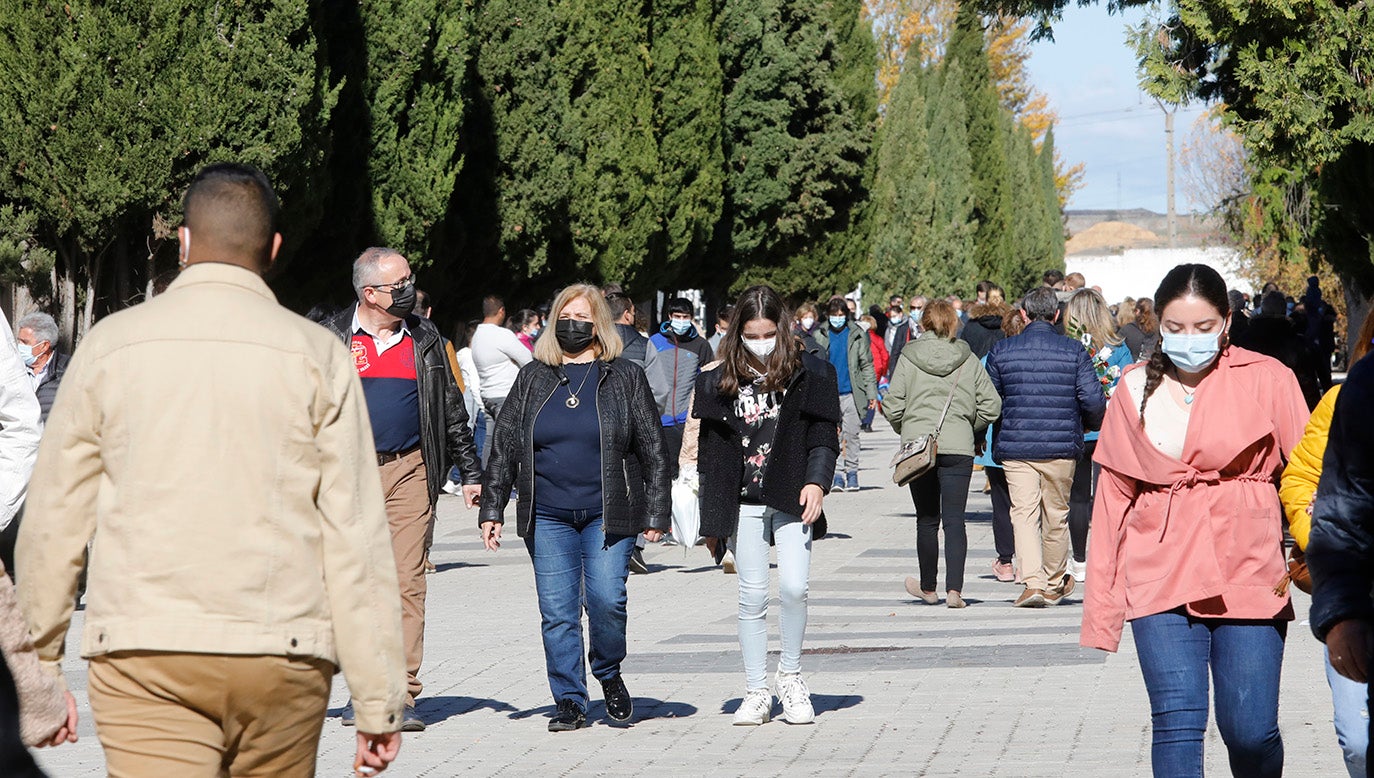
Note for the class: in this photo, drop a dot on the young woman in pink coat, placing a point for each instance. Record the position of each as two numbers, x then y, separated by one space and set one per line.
1187 532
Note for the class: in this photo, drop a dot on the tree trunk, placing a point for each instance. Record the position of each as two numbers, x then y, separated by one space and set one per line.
64 286
1358 304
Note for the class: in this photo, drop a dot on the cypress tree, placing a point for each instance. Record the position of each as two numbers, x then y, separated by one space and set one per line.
902 189
614 153
1027 223
418 54
112 108
793 151
1049 199
690 186
520 118
987 143
950 252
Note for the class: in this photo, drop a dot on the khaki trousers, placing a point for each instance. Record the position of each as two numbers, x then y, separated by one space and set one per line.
406 491
208 715
1040 519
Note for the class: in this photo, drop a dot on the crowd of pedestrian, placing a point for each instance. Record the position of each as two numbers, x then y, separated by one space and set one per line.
1142 447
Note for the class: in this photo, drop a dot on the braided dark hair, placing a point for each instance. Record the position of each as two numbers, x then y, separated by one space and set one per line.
1183 281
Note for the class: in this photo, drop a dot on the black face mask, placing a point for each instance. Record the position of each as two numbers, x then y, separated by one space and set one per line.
574 336
402 302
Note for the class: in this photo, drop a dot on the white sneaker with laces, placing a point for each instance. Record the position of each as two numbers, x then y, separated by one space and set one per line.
795 698
755 709
453 487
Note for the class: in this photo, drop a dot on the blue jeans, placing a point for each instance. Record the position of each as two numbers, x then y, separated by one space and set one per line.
577 565
1176 651
1350 700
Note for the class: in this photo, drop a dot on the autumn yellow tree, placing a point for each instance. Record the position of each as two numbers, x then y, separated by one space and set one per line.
922 28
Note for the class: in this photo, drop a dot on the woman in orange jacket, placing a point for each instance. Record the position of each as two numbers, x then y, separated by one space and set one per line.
1187 535
1348 698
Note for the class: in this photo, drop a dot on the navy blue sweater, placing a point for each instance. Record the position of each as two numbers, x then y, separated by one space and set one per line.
1050 395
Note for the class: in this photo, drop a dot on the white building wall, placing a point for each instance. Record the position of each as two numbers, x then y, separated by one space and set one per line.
1137 272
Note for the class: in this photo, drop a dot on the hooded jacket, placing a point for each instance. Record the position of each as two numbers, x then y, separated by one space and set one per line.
1204 532
921 384
672 370
982 334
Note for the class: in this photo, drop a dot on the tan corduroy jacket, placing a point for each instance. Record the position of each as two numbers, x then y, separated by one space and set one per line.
217 448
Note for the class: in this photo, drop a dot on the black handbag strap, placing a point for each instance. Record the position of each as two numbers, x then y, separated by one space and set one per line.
950 399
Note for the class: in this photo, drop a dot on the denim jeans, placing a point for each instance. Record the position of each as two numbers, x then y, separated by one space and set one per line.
793 539
577 565
1350 699
1176 651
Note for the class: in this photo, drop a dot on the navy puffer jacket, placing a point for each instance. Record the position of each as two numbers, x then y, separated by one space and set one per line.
1050 395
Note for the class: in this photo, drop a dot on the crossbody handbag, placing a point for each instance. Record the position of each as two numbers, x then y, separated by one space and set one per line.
916 458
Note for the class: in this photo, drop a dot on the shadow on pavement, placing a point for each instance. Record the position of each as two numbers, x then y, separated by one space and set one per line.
433 710
646 709
439 568
822 703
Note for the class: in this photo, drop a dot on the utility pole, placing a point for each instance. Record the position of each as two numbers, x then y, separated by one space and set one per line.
1169 170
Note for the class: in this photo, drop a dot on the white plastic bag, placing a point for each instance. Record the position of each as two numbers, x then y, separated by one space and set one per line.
686 510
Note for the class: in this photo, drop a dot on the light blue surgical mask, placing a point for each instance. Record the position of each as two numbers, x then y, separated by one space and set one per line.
1192 353
916 314
26 353
680 326
838 322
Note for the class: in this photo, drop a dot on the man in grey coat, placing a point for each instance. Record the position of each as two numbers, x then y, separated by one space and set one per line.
845 344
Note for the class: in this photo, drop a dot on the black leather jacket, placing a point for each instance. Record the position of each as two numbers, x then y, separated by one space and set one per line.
634 498
445 438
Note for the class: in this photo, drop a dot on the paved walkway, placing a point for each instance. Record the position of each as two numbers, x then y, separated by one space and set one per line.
900 688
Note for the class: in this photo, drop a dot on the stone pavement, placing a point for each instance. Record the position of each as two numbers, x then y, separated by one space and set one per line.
900 688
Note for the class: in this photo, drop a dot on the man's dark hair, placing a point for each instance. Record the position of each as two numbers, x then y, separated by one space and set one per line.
837 305
677 305
1041 304
1274 304
620 303
725 312
1053 277
984 287
492 305
231 209
321 311
422 301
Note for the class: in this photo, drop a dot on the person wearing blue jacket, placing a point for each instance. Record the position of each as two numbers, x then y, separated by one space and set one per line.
1088 320
1050 397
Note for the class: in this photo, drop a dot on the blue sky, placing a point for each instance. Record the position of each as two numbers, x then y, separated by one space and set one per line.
1105 120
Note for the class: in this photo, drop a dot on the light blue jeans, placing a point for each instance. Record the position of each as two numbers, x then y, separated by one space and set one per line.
1349 700
793 540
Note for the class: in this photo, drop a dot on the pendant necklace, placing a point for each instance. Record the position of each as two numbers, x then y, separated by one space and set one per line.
572 401
1187 395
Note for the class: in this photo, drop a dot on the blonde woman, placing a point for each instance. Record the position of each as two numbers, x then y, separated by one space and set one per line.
1089 321
580 439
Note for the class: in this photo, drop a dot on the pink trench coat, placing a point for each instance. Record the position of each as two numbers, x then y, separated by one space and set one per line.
1206 531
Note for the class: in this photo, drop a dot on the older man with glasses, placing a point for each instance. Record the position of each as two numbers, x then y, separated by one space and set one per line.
419 426
905 332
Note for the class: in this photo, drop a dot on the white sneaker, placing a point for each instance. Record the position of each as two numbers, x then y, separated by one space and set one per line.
1079 570
795 698
453 487
756 708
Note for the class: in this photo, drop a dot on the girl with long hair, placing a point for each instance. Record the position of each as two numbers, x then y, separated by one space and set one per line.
1142 332
767 448
1187 532
1089 322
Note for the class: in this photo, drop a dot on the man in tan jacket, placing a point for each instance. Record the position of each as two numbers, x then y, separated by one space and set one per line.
217 448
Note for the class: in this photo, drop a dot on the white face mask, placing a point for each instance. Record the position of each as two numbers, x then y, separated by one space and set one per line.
808 322
865 325
761 348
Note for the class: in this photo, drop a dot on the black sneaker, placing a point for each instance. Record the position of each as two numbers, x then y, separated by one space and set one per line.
637 564
346 716
620 706
411 721
568 717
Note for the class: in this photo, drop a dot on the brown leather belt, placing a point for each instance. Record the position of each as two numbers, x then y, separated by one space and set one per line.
384 457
